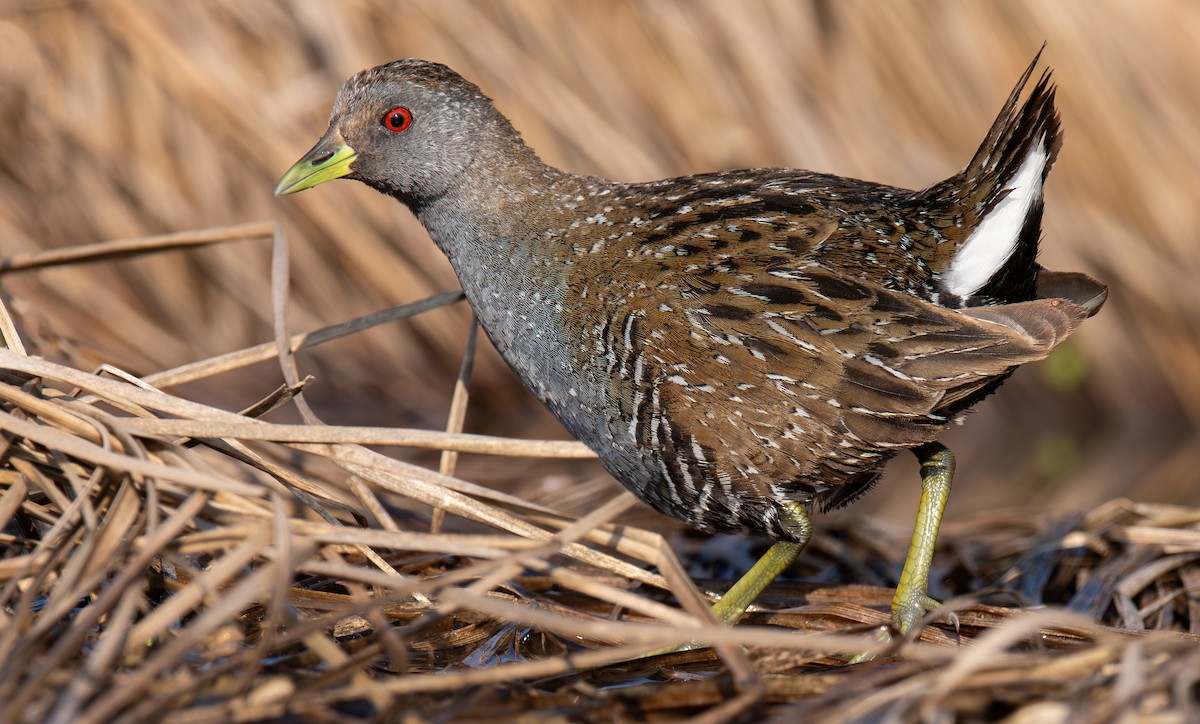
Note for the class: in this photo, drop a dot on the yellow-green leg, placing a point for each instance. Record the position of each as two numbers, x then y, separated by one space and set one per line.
777 558
912 600
751 585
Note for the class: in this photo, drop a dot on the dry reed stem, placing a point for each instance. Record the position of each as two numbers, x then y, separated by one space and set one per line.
424 439
121 248
458 411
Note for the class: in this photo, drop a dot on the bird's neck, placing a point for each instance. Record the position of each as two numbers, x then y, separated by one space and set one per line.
502 228
504 221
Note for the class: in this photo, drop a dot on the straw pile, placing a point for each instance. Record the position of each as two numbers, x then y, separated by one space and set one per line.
183 536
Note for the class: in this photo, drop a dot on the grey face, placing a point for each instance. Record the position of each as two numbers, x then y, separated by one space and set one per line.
409 129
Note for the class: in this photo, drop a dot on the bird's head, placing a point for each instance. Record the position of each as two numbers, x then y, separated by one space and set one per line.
409 129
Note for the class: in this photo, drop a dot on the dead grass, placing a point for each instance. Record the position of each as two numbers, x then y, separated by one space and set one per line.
163 557
166 556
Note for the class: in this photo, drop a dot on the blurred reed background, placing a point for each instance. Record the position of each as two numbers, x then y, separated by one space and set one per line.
124 118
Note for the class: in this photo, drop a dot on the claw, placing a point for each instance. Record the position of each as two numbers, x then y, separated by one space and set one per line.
949 618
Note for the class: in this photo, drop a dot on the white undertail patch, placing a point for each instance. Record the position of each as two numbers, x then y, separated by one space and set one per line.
995 238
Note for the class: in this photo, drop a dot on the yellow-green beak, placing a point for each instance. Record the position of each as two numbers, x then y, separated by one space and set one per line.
329 159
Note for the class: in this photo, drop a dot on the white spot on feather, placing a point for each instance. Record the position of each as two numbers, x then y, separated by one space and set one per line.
995 238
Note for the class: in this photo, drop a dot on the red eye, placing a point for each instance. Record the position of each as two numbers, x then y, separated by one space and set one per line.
397 119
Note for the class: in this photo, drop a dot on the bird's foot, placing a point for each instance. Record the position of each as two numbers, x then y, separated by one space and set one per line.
907 614
907 617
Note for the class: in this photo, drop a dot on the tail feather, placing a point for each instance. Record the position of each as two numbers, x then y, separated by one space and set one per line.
1014 135
998 198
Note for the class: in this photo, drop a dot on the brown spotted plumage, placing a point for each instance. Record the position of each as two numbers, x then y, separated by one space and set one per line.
735 346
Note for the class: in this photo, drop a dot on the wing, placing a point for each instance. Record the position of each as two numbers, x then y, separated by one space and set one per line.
794 382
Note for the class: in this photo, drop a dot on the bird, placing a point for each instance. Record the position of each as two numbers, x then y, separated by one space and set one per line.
740 348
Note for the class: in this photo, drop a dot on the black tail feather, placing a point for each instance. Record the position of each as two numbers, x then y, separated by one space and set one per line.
970 195
1013 135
